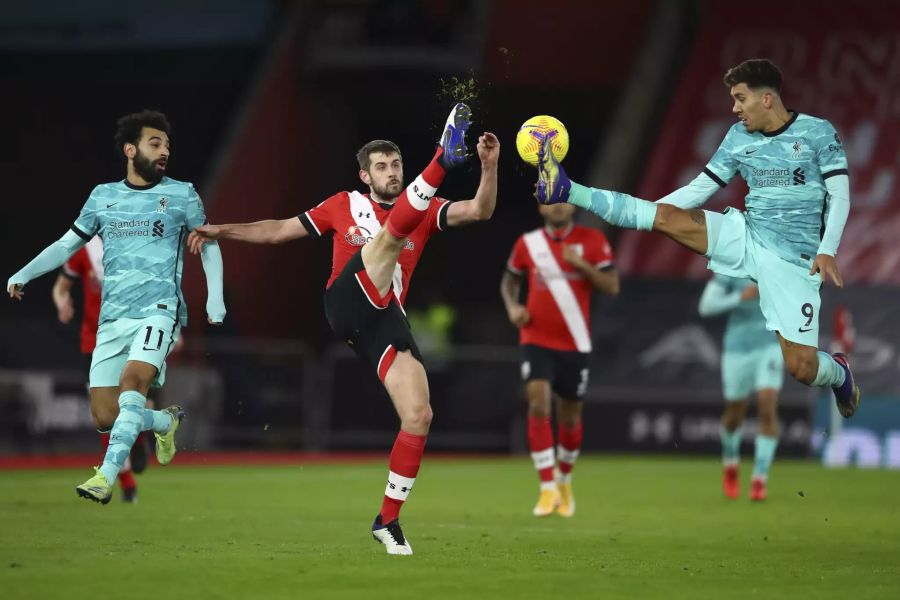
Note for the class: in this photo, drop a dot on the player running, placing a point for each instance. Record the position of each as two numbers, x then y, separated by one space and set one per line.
564 262
86 267
378 240
796 169
142 221
751 362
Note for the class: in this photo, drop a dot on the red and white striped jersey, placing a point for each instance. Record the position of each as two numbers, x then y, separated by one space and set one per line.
559 296
355 219
86 265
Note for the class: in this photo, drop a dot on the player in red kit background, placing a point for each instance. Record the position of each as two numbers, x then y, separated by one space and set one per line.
378 239
563 263
86 266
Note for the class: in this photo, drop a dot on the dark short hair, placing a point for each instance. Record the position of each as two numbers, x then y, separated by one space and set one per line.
383 146
130 126
756 73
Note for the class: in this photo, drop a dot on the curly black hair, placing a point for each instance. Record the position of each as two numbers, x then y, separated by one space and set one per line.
130 126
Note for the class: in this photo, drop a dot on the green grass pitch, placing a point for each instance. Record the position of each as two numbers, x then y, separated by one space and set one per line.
644 528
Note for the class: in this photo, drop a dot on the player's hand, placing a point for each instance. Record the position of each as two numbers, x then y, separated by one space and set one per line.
826 267
488 149
750 292
572 257
518 315
201 235
65 311
15 291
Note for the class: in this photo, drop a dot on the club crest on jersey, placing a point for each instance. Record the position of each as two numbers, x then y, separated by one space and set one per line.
163 203
798 147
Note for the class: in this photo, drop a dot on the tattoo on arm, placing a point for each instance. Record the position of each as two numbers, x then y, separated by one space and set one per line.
698 216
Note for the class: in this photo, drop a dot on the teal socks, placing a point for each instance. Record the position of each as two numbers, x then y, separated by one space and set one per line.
830 374
133 418
765 454
615 208
731 446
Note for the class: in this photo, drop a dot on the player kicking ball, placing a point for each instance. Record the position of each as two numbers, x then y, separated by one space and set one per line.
378 240
143 221
796 169
751 364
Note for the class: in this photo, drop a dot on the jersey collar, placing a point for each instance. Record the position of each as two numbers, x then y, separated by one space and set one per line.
784 127
130 185
383 205
558 237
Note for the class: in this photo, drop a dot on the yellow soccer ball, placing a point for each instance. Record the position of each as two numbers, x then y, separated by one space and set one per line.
533 132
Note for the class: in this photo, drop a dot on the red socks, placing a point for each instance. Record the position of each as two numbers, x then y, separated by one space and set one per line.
540 441
412 204
406 457
569 447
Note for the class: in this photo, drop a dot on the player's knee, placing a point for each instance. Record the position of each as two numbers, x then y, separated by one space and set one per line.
418 418
103 418
538 406
664 217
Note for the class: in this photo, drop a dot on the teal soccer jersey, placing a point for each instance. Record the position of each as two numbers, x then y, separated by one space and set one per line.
143 232
786 172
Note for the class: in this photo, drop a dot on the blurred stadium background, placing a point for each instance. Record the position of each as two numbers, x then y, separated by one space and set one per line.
269 102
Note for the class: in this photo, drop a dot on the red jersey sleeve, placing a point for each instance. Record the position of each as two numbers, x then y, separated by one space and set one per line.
600 252
75 267
437 219
320 219
518 258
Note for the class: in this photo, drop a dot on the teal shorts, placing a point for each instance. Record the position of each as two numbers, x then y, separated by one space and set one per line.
788 294
147 340
744 373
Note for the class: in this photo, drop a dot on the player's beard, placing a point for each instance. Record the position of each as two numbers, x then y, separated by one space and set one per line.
389 191
146 168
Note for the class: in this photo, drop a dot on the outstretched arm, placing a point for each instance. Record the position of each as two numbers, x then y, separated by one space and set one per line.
260 232
694 194
50 259
211 257
718 298
481 207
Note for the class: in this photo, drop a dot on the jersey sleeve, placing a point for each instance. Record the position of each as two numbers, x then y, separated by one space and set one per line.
74 267
722 167
87 224
518 258
320 219
438 218
195 213
830 153
600 253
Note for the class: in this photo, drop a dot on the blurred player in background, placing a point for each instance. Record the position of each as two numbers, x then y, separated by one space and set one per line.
142 220
796 169
378 240
563 263
751 363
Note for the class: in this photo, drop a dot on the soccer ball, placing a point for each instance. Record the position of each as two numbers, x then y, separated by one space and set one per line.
533 132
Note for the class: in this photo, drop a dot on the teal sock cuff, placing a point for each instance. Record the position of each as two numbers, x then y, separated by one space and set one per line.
132 398
580 196
829 374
